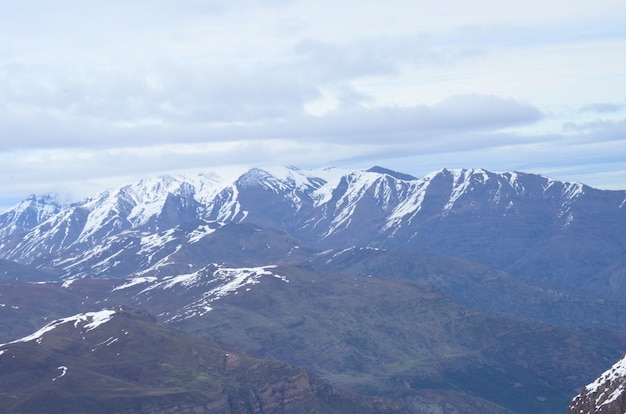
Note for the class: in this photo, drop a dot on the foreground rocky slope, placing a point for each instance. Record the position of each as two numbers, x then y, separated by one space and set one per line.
606 395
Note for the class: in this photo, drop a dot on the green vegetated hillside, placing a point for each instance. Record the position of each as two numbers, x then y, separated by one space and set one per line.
390 337
406 340
131 364
479 287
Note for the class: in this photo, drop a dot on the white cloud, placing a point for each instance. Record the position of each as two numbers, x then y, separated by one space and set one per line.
95 92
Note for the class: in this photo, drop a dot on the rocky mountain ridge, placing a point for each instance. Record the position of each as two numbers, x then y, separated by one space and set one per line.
510 221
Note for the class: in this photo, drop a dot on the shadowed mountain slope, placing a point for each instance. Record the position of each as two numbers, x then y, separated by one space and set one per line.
399 338
386 337
121 361
478 286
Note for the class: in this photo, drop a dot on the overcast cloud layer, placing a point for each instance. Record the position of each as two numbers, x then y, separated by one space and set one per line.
96 93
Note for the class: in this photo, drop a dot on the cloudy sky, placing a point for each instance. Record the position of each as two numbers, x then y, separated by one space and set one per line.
96 93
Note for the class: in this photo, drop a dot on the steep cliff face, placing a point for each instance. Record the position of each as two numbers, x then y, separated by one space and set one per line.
606 395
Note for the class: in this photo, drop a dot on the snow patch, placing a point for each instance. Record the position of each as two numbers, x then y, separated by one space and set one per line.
93 319
135 281
153 242
332 178
63 370
408 208
219 283
617 373
111 340
199 233
66 284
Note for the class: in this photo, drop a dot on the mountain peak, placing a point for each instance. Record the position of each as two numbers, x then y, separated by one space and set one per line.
30 212
253 178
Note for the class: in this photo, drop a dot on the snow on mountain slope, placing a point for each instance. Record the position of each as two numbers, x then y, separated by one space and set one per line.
304 180
357 196
160 203
197 290
408 207
132 252
149 205
446 192
143 203
607 394
298 184
395 205
83 321
492 218
28 214
280 198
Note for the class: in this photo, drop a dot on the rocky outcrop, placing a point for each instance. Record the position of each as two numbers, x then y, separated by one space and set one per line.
606 395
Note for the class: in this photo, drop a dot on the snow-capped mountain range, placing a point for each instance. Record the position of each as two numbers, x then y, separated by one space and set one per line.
273 252
511 221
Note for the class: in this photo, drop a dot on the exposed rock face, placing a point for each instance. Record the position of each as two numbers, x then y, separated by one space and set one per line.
605 395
